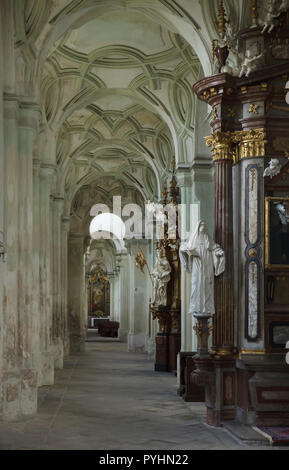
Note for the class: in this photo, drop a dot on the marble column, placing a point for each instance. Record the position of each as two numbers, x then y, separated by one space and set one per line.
223 337
76 320
224 285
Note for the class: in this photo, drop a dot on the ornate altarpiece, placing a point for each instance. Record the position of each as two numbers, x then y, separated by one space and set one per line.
98 294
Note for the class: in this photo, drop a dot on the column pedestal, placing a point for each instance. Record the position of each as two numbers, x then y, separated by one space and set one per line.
168 344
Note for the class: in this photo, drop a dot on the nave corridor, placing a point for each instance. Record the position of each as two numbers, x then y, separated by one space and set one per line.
107 398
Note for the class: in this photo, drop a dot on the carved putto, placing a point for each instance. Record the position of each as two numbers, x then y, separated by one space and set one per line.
269 22
274 168
272 9
250 62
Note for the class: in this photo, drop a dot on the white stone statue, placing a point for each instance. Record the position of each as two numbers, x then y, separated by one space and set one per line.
250 63
283 215
269 20
274 168
202 257
161 276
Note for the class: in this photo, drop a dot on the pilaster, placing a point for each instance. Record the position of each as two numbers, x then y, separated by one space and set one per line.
122 263
76 320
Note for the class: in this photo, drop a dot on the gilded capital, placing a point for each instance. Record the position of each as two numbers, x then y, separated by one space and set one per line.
237 145
221 143
250 143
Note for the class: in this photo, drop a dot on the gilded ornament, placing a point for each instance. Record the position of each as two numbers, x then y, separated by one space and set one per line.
221 144
254 108
252 253
231 112
237 145
250 143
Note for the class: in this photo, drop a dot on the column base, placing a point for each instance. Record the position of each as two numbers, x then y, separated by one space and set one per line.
46 371
20 394
77 344
58 353
122 335
167 349
269 392
29 395
136 342
150 347
174 349
162 353
66 347
187 389
11 396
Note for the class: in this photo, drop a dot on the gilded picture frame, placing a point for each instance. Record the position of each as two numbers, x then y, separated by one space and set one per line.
277 233
99 295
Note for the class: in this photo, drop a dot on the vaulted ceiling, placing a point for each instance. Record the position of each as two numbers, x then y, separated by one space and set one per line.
115 82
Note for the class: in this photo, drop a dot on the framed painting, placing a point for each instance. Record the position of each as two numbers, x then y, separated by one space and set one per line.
99 295
277 232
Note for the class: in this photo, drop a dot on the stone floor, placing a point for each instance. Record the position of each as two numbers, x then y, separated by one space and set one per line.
109 399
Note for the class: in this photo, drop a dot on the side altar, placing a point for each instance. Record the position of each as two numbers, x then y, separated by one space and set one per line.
246 376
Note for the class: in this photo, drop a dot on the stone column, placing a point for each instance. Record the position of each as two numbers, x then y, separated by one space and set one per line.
116 300
28 322
76 320
57 209
46 377
122 262
2 241
111 295
189 220
11 369
64 283
138 298
36 257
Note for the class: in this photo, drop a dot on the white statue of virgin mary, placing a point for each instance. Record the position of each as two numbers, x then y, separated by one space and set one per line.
202 257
